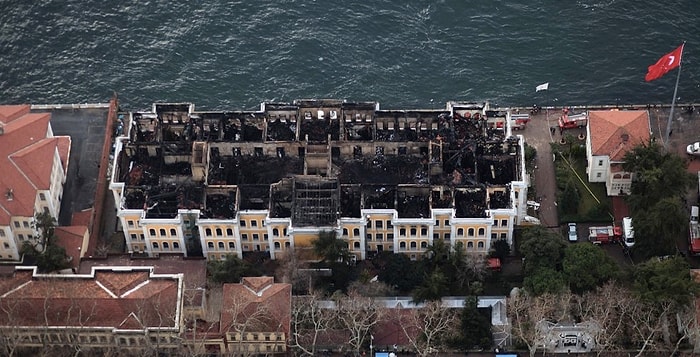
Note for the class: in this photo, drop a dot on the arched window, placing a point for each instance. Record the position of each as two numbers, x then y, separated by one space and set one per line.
173 232
470 245
470 232
356 232
413 245
277 245
617 176
210 245
460 231
423 245
219 232
356 245
231 245
345 232
152 232
286 244
176 245
155 245
275 232
480 245
221 245
207 232
402 245
229 232
481 232
166 245
626 176
162 232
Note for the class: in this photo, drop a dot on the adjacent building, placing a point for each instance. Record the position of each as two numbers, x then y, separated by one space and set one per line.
128 308
270 180
610 135
34 163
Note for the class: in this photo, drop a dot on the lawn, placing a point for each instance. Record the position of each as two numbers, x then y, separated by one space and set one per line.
594 205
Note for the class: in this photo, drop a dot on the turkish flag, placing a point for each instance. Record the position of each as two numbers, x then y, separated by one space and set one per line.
666 63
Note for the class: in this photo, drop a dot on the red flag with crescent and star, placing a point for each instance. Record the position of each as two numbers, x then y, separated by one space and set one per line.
665 64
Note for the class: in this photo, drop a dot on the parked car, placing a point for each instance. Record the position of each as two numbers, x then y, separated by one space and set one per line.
573 234
693 149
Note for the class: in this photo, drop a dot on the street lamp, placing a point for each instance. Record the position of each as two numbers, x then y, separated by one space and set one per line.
371 345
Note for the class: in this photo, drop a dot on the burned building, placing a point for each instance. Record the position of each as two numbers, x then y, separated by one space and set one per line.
270 180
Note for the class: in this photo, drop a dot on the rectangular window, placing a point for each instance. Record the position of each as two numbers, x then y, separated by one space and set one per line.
447 236
437 223
447 223
388 224
504 223
369 236
130 223
42 196
436 235
369 224
598 175
7 246
2 233
244 236
600 162
390 236
26 224
503 236
424 231
21 237
253 223
242 223
265 236
134 237
17 224
379 224
256 236
495 223
380 236
142 236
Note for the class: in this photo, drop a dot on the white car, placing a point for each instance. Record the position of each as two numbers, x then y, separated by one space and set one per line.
693 149
573 234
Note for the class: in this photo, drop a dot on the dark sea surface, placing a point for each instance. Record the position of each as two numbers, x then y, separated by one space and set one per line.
402 53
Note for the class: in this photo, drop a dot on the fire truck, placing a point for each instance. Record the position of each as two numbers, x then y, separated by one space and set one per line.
567 121
604 235
694 232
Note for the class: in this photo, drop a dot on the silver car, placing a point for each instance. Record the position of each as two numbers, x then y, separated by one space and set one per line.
573 234
693 149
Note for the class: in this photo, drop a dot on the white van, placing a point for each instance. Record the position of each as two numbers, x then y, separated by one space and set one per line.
627 232
694 213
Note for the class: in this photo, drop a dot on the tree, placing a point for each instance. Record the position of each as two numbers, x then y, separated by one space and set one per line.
500 249
544 280
526 312
330 248
434 287
230 270
570 198
587 266
474 327
608 307
656 227
49 256
426 327
657 175
543 251
666 286
309 320
357 315
398 271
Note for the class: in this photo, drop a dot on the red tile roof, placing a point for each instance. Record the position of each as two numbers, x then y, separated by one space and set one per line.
26 159
614 132
107 298
261 298
71 239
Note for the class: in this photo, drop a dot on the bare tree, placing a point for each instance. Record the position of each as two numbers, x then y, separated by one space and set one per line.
645 324
526 312
309 320
246 317
11 338
608 307
424 326
358 315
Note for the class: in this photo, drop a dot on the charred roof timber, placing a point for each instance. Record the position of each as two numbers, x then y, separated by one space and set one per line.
317 160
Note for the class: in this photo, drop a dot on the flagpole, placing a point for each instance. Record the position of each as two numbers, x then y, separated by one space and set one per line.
673 102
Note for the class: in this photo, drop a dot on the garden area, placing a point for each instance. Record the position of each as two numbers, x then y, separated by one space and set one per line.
578 200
